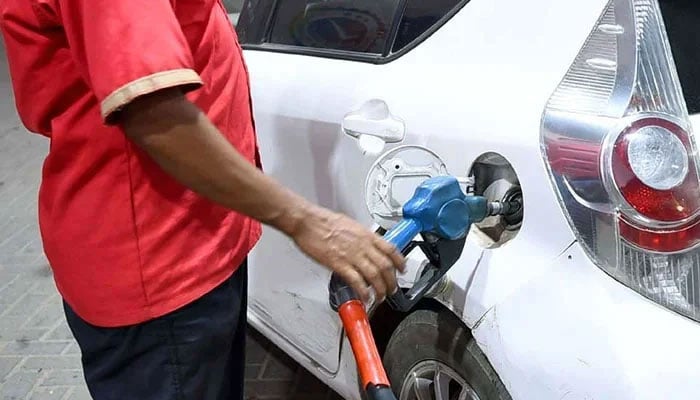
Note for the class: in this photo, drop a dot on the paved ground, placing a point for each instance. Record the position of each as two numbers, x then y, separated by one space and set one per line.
38 357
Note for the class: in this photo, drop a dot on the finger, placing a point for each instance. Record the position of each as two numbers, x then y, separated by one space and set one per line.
372 275
386 268
392 252
358 284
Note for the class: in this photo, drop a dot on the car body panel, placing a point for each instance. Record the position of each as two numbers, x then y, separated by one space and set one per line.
479 84
575 333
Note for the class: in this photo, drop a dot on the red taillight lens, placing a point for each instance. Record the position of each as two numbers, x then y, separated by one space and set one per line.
668 202
574 159
654 171
662 241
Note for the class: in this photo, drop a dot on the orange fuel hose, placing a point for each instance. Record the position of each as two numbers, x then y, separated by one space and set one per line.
359 333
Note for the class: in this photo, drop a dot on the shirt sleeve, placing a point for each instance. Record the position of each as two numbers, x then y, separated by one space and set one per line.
127 48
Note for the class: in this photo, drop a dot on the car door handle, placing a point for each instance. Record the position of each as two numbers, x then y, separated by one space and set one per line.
374 119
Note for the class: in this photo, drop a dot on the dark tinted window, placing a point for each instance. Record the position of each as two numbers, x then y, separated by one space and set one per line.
418 17
350 25
253 21
682 20
377 27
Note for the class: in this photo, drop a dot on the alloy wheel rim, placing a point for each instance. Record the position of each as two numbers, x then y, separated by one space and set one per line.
433 380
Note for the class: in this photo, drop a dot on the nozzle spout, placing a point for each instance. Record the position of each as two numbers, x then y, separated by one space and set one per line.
505 208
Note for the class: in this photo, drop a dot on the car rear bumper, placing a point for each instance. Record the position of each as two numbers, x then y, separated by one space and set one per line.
575 333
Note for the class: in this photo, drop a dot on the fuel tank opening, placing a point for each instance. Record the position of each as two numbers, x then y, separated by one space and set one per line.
513 217
494 178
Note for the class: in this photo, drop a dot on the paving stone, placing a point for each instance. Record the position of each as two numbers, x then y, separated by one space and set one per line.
73 349
14 239
61 332
67 377
14 290
16 322
44 273
26 305
17 386
252 371
7 364
23 264
280 367
47 316
79 393
332 395
46 286
256 347
6 277
51 362
32 247
307 384
33 347
329 395
8 333
269 388
316 396
48 393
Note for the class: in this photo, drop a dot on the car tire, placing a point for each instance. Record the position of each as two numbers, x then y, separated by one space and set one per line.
428 338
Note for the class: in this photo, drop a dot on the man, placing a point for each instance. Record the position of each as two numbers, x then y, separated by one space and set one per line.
150 199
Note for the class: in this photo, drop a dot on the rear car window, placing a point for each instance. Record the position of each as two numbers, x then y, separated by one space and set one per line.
351 25
682 20
418 17
377 28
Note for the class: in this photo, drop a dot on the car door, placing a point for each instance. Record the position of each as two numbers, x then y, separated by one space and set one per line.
328 99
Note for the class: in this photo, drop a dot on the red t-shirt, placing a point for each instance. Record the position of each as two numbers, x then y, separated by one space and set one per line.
126 242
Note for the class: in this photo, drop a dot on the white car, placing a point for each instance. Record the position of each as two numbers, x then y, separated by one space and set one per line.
583 108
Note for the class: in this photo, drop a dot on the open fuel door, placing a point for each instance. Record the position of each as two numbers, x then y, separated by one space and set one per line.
394 177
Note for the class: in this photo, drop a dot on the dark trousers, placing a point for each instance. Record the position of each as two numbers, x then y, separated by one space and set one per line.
194 353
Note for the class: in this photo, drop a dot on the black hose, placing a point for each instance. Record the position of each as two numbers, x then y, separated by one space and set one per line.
380 393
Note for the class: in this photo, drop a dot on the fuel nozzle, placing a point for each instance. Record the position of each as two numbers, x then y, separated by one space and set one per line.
510 207
505 207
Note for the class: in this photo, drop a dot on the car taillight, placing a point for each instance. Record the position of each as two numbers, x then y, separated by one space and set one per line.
654 170
651 166
619 148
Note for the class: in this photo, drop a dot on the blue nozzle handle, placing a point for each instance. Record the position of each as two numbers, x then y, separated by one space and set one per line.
439 207
403 233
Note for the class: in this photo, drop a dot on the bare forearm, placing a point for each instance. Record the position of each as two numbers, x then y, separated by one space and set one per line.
182 140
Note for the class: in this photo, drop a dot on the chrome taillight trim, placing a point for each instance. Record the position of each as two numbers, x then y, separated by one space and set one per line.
607 87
